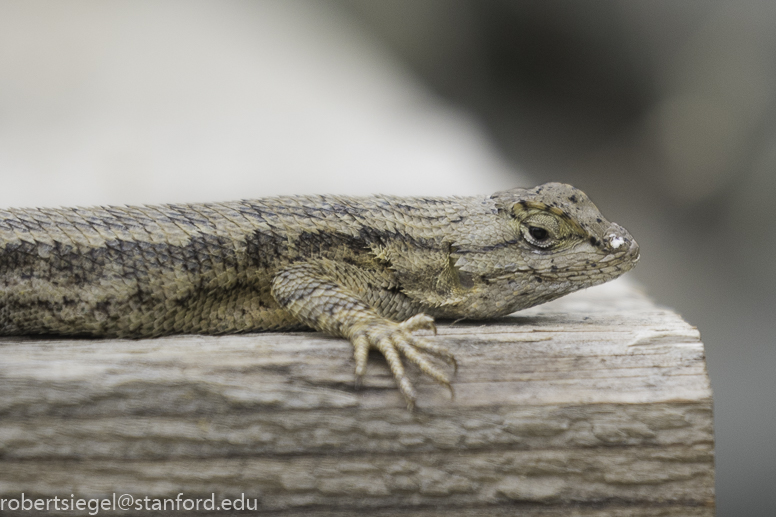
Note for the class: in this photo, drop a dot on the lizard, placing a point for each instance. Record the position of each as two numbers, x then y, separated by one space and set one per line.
373 270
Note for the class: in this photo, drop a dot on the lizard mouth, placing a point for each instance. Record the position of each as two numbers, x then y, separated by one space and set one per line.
622 259
619 259
634 253
637 257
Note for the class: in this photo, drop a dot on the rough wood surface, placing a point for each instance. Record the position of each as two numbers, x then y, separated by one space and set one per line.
597 404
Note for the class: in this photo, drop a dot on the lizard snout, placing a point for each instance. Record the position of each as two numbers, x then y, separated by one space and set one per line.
619 241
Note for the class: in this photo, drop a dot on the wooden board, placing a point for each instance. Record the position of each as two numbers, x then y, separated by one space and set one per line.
596 404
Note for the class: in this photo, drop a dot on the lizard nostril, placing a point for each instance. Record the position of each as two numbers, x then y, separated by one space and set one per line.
615 241
618 240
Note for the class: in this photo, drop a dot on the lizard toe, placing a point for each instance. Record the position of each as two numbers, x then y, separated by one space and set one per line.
410 351
419 322
360 354
386 346
436 350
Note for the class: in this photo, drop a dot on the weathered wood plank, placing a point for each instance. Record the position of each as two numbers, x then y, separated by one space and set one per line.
597 404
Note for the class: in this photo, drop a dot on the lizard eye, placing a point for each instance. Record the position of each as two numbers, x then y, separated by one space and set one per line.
538 236
537 233
542 229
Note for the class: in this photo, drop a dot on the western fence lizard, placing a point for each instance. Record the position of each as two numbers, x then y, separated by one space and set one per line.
369 269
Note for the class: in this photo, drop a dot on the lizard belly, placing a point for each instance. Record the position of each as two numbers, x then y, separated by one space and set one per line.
135 307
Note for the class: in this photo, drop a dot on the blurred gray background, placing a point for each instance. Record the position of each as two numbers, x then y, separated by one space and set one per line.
662 111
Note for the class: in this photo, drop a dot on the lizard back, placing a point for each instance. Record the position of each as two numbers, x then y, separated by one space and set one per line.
153 270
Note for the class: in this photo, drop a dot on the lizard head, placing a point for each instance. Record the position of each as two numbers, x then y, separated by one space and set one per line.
556 241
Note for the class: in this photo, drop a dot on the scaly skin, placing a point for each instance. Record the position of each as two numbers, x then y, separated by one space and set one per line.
370 269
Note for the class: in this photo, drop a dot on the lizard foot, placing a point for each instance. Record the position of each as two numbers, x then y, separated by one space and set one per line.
396 339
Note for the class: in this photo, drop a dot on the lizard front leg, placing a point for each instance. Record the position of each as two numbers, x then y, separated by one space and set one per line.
313 293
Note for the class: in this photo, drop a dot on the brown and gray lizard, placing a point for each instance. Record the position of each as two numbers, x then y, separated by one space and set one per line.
369 269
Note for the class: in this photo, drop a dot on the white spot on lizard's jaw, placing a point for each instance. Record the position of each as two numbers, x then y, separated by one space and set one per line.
615 241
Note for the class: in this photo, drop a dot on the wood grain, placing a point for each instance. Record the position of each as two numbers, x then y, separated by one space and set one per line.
597 404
